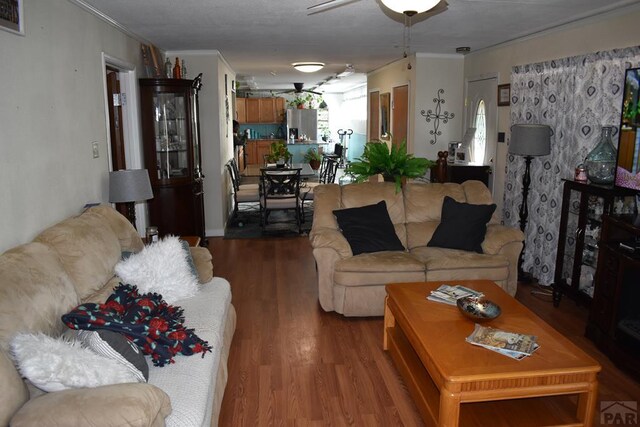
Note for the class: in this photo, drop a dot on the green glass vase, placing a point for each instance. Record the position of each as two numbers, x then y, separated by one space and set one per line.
601 161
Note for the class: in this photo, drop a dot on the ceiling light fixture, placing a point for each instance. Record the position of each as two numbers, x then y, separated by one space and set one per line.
308 67
410 7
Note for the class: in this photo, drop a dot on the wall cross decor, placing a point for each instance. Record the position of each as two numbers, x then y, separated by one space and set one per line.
436 117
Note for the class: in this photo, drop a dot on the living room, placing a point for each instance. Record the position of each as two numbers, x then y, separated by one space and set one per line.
53 114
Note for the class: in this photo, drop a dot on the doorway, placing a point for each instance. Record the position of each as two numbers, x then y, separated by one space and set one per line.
124 148
400 116
482 113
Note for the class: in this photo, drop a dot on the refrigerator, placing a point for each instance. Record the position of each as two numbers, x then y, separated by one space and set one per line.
302 122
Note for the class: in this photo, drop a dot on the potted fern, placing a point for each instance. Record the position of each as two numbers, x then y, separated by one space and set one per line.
393 164
313 158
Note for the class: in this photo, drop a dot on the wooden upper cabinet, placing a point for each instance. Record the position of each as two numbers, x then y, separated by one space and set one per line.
241 110
267 110
260 110
253 110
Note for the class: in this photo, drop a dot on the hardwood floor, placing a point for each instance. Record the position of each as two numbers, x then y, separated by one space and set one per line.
292 364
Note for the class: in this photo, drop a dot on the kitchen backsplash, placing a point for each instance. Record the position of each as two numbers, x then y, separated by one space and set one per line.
264 131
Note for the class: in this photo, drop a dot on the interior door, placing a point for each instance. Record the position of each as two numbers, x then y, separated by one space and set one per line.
482 113
400 114
374 115
118 158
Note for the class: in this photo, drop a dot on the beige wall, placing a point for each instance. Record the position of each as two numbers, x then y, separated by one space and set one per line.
428 74
614 30
52 109
215 136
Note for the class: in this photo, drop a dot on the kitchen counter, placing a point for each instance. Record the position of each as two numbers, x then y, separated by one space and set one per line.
309 142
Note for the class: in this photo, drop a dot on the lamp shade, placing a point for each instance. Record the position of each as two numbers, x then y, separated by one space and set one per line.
129 185
308 67
410 7
530 140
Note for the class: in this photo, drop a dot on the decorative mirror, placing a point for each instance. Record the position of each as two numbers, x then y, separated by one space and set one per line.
385 113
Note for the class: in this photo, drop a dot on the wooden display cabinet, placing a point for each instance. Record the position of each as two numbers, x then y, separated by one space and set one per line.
170 135
614 319
580 223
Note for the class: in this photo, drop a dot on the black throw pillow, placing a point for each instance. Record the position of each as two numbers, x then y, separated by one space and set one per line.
368 229
462 226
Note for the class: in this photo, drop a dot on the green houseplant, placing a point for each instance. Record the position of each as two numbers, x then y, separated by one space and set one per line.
277 151
313 158
393 164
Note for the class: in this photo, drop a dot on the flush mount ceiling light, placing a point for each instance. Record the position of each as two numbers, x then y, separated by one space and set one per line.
308 67
410 7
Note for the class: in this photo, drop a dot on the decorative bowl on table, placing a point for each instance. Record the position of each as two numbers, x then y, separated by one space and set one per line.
478 309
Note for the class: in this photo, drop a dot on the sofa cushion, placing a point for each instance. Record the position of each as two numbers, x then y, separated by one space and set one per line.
368 228
462 225
378 268
423 203
88 249
31 276
125 232
454 264
13 391
131 404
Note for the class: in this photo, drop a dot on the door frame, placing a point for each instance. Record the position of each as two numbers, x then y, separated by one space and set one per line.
130 123
467 120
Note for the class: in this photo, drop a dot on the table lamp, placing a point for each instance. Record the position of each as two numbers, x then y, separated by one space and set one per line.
528 140
129 186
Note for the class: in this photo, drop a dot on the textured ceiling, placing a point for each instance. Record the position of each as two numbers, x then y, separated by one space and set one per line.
261 38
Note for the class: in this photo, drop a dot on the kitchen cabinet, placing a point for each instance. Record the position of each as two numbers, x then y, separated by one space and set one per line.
260 110
170 136
241 110
256 149
253 110
578 241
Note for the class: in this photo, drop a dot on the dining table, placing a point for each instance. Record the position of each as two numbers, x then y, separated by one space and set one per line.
305 169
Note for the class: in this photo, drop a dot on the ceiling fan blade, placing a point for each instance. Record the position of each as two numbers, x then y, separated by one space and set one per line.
328 5
312 91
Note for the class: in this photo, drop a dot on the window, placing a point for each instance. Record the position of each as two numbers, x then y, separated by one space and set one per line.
480 138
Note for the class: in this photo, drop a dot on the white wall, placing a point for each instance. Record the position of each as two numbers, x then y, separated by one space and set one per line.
52 108
215 133
614 30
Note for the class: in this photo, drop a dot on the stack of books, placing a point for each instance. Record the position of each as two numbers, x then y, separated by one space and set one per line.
511 344
450 294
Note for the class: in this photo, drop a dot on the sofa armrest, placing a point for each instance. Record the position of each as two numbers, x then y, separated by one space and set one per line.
132 404
202 260
498 236
324 237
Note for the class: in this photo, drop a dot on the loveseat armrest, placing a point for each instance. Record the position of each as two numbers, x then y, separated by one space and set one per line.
498 236
202 260
325 237
132 404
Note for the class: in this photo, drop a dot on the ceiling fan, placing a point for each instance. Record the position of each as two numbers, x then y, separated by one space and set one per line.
298 88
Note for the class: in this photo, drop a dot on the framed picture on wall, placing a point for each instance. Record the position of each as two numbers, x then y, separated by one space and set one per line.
504 95
11 16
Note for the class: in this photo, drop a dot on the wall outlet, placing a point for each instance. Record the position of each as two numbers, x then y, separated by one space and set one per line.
96 149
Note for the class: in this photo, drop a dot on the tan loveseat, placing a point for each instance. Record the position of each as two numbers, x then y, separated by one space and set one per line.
354 285
70 263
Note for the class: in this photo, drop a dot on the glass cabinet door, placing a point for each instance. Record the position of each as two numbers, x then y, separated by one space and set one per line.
171 135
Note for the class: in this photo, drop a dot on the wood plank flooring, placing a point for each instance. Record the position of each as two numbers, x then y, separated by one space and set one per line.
292 364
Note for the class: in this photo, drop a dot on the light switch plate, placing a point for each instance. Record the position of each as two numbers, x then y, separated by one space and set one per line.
96 149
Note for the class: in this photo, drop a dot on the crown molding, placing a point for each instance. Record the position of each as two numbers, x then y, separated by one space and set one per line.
109 20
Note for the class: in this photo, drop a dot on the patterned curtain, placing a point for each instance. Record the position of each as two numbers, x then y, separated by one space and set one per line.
575 96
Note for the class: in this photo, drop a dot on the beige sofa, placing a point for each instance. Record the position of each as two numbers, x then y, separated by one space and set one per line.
70 263
354 285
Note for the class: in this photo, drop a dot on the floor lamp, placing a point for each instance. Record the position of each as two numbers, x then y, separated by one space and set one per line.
528 141
129 186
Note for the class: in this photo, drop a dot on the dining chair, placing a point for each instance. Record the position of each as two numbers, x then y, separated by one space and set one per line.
243 194
280 190
328 171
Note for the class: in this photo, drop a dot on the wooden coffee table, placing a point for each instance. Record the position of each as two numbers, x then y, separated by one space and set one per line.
455 383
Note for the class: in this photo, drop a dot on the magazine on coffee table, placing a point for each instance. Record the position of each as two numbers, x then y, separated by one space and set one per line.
508 343
450 294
